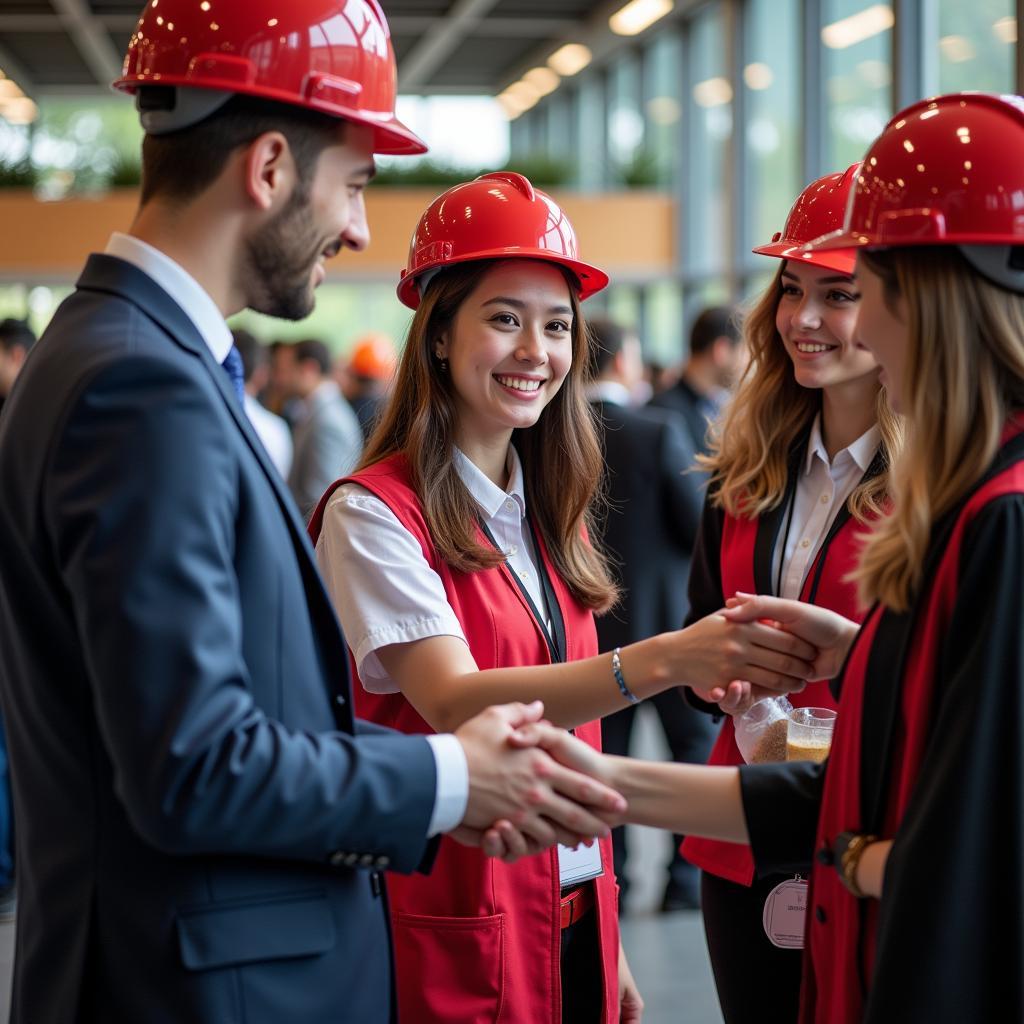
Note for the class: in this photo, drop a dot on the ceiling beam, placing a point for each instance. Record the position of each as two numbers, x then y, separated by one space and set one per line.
89 35
13 70
440 42
506 27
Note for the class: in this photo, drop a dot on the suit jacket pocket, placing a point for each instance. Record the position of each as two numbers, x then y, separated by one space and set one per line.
450 968
240 932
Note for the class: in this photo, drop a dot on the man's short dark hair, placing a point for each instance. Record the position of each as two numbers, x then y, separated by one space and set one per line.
713 323
316 350
253 352
606 341
16 334
181 165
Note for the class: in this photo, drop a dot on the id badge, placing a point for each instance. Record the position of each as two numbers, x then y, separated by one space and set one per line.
579 865
785 914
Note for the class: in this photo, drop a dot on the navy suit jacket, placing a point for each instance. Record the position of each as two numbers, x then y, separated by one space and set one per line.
200 819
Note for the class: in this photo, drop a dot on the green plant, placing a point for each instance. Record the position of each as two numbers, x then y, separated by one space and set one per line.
20 175
540 170
643 171
125 173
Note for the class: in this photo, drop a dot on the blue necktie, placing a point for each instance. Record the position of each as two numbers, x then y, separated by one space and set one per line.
236 373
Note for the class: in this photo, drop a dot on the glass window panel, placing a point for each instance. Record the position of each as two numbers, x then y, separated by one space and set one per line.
663 109
625 123
976 45
663 323
591 122
710 126
624 305
857 67
771 73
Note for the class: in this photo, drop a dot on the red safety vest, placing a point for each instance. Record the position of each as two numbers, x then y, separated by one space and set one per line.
733 861
477 940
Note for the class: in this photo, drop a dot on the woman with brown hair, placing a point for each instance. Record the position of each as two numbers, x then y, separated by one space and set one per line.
916 905
458 557
798 469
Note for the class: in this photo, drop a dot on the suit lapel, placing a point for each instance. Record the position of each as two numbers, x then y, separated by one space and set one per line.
116 277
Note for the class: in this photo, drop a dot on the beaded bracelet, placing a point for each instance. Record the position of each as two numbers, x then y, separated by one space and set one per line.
620 679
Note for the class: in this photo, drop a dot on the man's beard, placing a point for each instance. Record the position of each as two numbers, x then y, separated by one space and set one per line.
279 261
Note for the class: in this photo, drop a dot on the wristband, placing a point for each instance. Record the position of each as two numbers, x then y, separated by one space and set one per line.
620 679
849 847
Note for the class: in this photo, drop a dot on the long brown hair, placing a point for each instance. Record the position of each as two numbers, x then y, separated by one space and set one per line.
963 376
751 444
560 453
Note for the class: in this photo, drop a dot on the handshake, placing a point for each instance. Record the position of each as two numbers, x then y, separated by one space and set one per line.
532 785
522 799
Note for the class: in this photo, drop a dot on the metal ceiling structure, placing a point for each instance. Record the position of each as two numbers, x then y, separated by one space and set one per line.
74 47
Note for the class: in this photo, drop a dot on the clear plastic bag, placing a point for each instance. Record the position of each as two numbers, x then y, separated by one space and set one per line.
761 730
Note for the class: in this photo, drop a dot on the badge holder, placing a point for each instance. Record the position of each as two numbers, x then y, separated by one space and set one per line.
785 914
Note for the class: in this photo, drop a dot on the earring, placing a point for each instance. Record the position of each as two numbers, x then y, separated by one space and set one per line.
442 364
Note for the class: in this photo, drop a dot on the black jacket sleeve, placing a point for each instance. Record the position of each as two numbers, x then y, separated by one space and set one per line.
705 589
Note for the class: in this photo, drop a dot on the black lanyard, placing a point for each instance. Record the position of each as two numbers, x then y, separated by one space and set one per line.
556 642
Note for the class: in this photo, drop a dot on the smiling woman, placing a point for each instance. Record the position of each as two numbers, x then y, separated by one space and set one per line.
458 557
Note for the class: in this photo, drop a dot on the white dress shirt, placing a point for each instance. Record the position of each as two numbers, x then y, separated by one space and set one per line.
199 307
385 591
821 491
273 432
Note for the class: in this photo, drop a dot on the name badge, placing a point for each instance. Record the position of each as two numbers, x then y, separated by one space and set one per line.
785 914
579 865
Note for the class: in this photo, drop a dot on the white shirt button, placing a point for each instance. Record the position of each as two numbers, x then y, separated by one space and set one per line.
805 543
824 499
513 550
525 575
510 505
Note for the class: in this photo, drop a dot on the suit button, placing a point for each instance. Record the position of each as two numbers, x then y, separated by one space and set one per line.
382 862
339 699
819 914
337 859
366 861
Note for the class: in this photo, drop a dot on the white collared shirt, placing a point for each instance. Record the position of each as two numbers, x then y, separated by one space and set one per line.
385 591
199 307
821 491
187 292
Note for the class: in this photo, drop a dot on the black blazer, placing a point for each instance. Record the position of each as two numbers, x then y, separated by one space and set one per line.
683 400
652 520
197 809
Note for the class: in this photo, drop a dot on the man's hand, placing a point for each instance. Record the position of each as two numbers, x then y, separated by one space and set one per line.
825 630
518 786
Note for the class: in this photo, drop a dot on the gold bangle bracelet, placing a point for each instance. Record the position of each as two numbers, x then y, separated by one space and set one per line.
850 861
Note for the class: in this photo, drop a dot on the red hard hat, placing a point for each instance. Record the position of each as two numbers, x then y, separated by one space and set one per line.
818 210
945 171
332 56
495 216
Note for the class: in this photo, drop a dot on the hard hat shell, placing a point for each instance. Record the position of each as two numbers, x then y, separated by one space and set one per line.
373 356
945 171
496 216
819 209
332 56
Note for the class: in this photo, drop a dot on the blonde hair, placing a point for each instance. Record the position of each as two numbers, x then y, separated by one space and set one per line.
963 375
751 444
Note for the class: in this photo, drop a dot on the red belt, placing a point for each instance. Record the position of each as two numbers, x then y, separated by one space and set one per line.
576 903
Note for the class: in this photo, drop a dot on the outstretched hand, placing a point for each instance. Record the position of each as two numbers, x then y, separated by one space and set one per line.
827 631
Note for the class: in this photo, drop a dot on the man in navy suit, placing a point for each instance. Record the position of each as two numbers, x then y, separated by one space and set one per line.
202 824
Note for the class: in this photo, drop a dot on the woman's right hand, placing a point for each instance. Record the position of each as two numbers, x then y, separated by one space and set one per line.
734 662
827 631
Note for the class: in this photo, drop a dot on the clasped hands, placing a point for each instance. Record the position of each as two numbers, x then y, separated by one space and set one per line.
532 785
